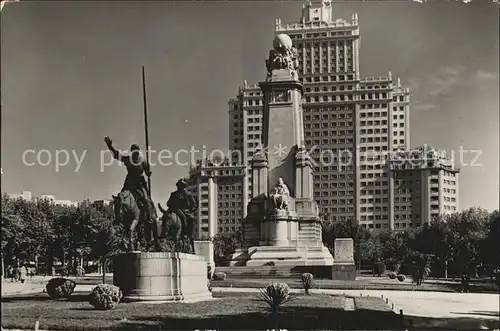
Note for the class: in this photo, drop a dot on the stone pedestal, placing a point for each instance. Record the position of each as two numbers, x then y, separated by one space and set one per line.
161 277
343 271
344 267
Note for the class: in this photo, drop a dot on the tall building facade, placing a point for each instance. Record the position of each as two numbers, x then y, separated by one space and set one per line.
427 186
219 188
352 124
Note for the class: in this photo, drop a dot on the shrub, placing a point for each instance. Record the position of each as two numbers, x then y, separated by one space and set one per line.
105 296
419 274
379 268
275 295
60 288
307 282
401 278
219 276
392 275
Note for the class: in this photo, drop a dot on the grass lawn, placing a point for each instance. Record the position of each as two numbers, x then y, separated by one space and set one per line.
382 284
225 312
375 283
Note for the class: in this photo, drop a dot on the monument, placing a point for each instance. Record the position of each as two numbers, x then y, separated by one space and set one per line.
344 267
283 227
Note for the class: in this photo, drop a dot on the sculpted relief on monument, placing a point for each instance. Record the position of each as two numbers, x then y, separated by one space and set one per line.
283 56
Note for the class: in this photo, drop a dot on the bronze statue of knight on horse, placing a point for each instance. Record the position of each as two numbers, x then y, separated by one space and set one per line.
133 206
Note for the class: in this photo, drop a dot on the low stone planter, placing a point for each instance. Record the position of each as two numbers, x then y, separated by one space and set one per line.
161 277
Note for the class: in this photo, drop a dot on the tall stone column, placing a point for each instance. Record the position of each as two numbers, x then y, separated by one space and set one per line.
303 175
259 175
212 207
245 192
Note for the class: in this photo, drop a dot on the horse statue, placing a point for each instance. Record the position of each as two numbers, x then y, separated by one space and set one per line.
175 229
128 213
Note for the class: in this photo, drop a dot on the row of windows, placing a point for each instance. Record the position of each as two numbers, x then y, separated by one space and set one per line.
309 109
365 86
326 117
374 200
224 205
229 188
343 168
229 196
228 220
333 193
321 34
333 185
373 114
314 46
230 212
329 124
371 166
257 102
325 142
372 192
333 68
375 122
327 88
330 98
331 78
333 177
373 106
372 140
328 133
373 130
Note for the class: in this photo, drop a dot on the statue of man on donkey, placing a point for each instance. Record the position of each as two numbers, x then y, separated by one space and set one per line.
133 206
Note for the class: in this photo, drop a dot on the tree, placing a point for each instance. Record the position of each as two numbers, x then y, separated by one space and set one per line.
467 230
225 243
394 248
490 250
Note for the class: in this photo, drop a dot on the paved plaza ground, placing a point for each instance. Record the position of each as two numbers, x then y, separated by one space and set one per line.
417 303
421 308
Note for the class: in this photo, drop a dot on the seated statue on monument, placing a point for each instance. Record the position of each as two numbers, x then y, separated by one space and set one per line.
279 195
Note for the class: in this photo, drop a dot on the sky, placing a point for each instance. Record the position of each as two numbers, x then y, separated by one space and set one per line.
71 75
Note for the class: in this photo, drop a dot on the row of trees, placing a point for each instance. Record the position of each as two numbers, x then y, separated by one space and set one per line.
454 244
42 232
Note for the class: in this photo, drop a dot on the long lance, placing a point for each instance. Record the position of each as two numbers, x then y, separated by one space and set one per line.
146 124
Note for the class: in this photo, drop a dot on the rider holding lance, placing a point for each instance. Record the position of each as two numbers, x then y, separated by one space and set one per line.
135 182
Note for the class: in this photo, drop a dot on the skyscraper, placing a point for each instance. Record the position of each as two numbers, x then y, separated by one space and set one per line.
352 123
